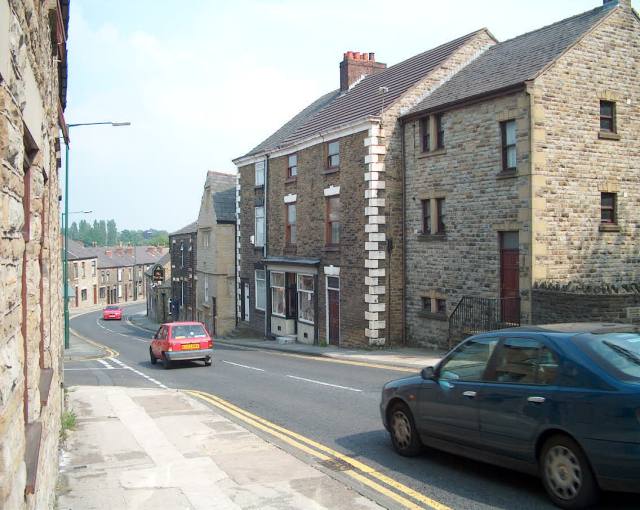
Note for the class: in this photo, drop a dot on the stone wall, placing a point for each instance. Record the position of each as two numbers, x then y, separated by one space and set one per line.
86 280
184 248
30 269
480 202
574 163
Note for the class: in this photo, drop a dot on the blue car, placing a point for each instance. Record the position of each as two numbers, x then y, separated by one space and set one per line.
559 401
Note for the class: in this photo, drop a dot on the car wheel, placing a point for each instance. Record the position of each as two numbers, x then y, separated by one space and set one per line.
166 362
152 357
566 474
404 434
208 361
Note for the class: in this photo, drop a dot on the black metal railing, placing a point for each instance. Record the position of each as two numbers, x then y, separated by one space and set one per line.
474 315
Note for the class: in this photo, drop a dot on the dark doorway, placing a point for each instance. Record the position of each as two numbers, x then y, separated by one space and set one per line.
510 277
333 309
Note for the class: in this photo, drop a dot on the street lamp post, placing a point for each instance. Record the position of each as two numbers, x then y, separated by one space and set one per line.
65 222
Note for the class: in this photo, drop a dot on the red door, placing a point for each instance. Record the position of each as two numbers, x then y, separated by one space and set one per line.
510 277
333 308
95 294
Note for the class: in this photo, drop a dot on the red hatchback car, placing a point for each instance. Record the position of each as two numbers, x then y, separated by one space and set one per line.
176 341
112 312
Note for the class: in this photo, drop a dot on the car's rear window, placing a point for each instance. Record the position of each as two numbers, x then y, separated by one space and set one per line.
112 308
618 353
189 331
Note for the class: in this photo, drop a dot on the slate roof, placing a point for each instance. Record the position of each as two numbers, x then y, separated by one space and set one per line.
191 228
120 256
363 100
224 204
511 63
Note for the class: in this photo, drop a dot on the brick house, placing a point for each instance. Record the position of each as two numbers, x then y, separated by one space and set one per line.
83 277
521 184
320 248
215 265
33 83
184 248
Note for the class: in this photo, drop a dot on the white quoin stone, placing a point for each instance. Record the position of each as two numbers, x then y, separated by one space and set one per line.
371 246
377 184
331 191
370 211
376 167
377 307
377 273
371 193
371 228
377 149
376 341
371 176
377 220
376 202
372 140
377 255
370 298
376 324
370 281
372 158
370 264
376 237
371 333
376 131
371 316
288 199
377 289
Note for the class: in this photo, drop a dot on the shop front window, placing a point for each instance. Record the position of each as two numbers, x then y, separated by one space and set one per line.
306 303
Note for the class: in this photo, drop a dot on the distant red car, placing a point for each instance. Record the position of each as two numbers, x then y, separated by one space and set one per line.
112 313
181 341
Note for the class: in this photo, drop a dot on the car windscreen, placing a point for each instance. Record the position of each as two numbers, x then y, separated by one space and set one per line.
188 331
617 353
112 308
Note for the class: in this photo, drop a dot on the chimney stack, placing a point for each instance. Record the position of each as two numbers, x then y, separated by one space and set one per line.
355 65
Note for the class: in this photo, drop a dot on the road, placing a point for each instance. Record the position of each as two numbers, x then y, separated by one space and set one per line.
331 403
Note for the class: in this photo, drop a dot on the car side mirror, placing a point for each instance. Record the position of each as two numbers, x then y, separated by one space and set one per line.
428 373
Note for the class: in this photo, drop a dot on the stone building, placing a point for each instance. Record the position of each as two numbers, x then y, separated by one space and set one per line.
215 265
158 290
33 79
521 188
83 277
183 244
320 247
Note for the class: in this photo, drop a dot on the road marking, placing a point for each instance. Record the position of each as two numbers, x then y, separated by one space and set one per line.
148 378
103 362
96 368
322 358
323 383
311 447
243 366
360 466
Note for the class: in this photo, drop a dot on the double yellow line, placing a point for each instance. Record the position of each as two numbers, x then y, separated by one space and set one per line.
401 494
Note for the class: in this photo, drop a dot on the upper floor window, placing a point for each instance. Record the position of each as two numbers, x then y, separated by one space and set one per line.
433 216
119 275
508 135
259 169
291 225
426 216
440 212
608 208
181 254
261 289
93 267
333 154
332 234
292 166
75 270
259 226
84 272
206 238
608 116
425 134
439 132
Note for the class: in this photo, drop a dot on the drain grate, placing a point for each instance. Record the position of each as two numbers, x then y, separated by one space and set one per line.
335 465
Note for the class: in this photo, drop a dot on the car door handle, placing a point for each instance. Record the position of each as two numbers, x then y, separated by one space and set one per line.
469 394
536 400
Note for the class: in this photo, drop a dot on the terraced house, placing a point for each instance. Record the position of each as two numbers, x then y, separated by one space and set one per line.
320 246
522 176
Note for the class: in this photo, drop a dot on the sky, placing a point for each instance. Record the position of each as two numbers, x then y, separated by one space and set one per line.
204 81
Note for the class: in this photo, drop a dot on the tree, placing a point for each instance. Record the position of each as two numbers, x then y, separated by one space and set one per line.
112 233
102 233
73 231
84 230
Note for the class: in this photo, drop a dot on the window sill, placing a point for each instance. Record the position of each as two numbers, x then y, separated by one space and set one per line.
329 171
256 248
259 187
609 227
437 152
432 237
259 311
507 174
433 316
308 323
608 135
291 180
331 248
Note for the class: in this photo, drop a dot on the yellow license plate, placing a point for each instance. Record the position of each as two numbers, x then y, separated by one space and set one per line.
187 347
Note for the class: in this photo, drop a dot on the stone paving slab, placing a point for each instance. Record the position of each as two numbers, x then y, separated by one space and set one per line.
139 448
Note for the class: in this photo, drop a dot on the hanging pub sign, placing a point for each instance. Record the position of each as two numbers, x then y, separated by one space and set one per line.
158 274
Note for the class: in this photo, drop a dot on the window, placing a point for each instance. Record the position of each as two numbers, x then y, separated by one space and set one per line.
103 293
426 216
206 289
261 290
84 271
277 294
306 304
333 154
608 208
426 303
439 132
425 134
608 116
469 361
292 167
617 353
259 168
441 306
259 226
291 233
120 274
103 275
181 254
83 294
524 361
434 305
75 270
440 215
119 291
333 221
508 133
93 268
206 238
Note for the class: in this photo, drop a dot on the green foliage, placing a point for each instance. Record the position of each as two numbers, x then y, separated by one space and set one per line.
105 233
69 421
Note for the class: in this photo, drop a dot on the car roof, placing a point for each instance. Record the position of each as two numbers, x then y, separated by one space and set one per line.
183 324
576 328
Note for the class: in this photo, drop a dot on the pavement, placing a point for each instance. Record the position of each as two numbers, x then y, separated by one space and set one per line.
407 357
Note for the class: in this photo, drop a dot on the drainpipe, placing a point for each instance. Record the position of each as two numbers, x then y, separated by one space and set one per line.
265 251
403 171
